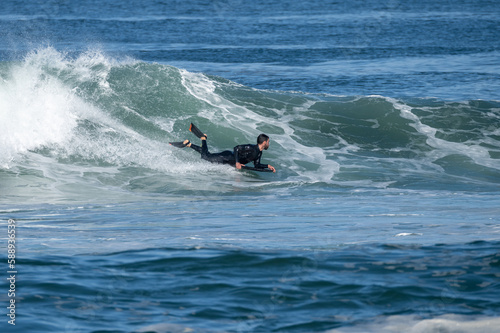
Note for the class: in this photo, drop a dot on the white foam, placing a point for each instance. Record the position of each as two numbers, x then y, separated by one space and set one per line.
39 101
166 328
40 107
405 234
36 109
443 148
412 324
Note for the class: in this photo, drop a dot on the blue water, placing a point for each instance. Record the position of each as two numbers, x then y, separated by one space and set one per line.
383 215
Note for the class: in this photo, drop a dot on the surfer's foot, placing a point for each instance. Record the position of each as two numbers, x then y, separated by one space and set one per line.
204 137
186 143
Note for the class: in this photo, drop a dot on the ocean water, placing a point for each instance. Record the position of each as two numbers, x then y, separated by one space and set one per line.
383 215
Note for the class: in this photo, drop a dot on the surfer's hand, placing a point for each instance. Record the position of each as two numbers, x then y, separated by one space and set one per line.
239 165
270 167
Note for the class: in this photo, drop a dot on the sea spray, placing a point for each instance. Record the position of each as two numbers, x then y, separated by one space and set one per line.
36 109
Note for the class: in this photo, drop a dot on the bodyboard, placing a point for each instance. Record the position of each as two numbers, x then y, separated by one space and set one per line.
244 167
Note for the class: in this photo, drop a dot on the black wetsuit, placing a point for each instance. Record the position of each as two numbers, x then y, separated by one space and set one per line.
242 154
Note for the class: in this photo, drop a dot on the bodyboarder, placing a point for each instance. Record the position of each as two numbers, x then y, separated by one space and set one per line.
239 157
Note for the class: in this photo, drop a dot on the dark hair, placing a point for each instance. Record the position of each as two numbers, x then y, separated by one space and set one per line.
262 138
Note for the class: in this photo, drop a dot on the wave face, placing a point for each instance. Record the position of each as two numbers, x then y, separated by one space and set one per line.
82 126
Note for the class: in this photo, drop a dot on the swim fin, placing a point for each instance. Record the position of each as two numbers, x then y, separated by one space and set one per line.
196 131
180 144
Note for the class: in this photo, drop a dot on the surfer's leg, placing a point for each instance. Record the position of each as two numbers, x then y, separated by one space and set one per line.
225 157
205 154
195 147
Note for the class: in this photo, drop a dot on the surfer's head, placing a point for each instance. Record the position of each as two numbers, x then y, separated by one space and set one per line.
263 141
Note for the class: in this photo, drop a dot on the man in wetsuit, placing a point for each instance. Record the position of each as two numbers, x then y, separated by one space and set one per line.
240 155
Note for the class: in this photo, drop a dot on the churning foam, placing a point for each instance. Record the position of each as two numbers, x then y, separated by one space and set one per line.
40 105
36 109
442 148
412 324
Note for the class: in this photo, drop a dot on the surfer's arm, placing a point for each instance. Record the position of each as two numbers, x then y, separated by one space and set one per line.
238 165
265 166
259 165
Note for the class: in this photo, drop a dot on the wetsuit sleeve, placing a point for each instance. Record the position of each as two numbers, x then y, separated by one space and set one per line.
257 163
236 154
